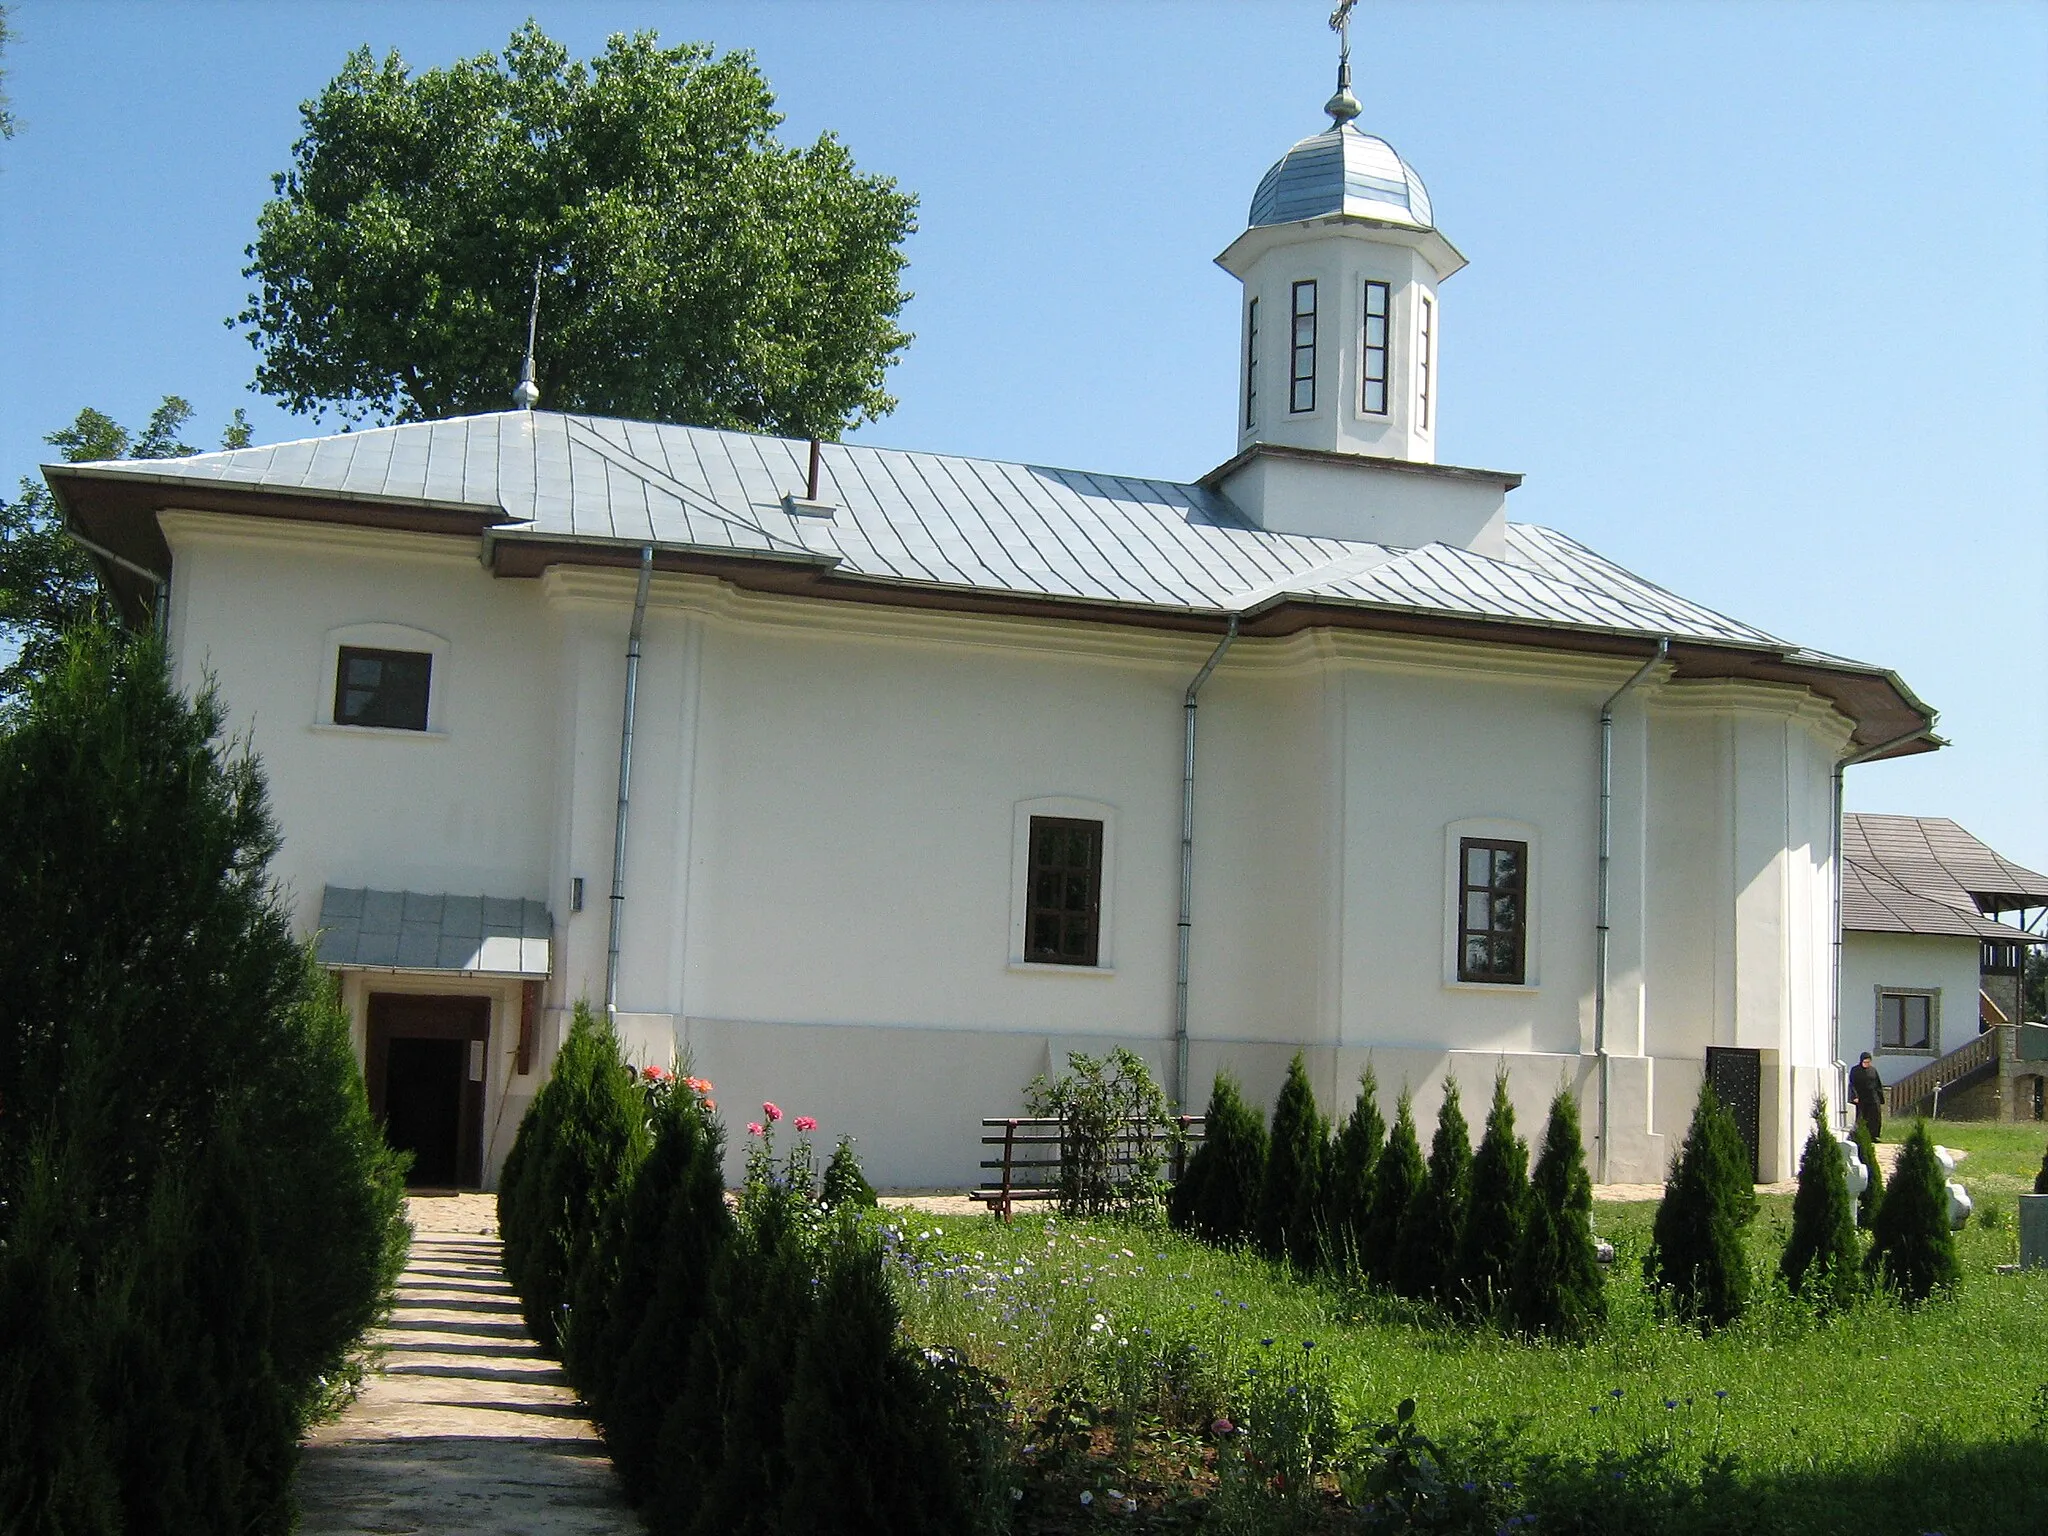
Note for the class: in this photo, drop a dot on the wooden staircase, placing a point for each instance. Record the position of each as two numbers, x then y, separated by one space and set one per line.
1966 1064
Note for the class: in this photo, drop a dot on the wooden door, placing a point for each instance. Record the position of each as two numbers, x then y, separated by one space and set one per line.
425 1069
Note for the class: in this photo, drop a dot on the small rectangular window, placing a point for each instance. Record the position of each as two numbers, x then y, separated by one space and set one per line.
1302 376
1251 365
1373 354
1493 909
1425 360
382 688
1063 899
1905 1021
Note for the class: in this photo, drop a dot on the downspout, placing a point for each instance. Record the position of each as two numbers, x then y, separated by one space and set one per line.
1601 903
1835 973
1187 867
611 953
159 585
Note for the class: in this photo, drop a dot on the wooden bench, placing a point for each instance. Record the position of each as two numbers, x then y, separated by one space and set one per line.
1028 1168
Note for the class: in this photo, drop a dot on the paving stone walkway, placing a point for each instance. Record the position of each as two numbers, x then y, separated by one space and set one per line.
468 1427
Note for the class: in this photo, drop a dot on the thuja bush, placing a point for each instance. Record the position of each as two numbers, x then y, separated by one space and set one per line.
1872 1197
1114 1134
844 1184
1913 1248
1556 1286
1397 1179
1289 1223
1495 1214
1821 1260
1697 1259
2041 1178
579 1144
1354 1159
197 1214
1217 1196
1426 1252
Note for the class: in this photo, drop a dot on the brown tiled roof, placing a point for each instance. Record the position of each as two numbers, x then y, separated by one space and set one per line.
1872 903
1931 856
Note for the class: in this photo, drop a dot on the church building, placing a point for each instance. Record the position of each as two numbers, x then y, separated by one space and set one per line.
876 781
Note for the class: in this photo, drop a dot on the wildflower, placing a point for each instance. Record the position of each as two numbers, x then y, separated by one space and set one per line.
653 1074
1223 1427
1016 1495
1087 1497
1615 1394
1670 1402
806 1123
754 1128
1720 1392
771 1112
1267 1342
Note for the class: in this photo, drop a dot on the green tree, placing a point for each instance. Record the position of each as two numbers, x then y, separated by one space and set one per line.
1913 1248
1397 1179
845 1184
1820 1258
47 582
1217 1198
6 112
2041 1178
1556 1287
1353 1161
1426 1251
1289 1221
1872 1197
1697 1257
1494 1218
693 267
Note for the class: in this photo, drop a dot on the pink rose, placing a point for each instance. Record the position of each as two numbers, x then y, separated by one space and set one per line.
771 1112
754 1128
806 1123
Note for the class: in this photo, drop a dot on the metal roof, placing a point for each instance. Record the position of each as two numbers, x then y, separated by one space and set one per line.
1341 170
419 931
1935 858
938 521
1872 903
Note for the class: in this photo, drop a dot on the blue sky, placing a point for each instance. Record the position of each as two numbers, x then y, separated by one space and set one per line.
1758 295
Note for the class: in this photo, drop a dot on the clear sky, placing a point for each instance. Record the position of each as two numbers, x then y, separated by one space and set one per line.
1758 295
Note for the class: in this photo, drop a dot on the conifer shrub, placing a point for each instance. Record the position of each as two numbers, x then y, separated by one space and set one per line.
1821 1260
1697 1259
1872 1198
1426 1249
844 1184
2041 1178
1556 1288
1913 1248
1289 1222
1494 1217
1398 1178
1354 1159
579 1144
1217 1196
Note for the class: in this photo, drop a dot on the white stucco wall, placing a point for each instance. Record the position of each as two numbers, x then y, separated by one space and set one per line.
1914 962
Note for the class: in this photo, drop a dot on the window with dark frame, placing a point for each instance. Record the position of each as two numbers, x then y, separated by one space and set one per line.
1063 894
1373 356
1905 1021
1302 396
1251 364
1425 357
382 688
1493 909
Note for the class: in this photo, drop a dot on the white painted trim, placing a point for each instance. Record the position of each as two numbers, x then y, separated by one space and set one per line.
385 637
1020 870
1532 949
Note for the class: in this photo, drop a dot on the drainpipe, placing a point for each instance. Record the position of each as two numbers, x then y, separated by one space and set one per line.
611 953
159 585
1601 903
1835 974
1187 868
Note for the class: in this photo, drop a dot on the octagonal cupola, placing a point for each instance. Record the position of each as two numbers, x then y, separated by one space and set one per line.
1340 261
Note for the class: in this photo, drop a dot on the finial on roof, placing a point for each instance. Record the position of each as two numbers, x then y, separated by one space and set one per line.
1343 106
526 393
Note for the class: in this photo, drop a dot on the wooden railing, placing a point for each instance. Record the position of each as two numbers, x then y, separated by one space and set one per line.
1028 1168
1966 1060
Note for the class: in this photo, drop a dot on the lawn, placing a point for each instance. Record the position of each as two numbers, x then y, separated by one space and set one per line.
1120 1345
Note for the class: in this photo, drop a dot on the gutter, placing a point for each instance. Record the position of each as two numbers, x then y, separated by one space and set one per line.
1183 931
1600 929
618 905
159 584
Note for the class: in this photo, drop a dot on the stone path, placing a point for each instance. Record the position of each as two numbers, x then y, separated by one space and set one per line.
468 1427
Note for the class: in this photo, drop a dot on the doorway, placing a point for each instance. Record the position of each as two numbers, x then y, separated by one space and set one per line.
426 1079
1737 1076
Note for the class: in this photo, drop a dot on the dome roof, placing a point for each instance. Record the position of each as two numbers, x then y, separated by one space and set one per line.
1341 170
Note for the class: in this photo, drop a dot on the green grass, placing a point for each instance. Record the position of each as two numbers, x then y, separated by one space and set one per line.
2003 1158
1885 1420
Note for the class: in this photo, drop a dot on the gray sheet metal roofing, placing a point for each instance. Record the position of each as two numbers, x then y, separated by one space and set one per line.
1341 170
1874 903
430 931
930 520
1935 858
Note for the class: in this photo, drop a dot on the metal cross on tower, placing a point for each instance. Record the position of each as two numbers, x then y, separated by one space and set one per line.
1343 106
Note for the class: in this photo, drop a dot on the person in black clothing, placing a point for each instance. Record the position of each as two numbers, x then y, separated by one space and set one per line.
1866 1092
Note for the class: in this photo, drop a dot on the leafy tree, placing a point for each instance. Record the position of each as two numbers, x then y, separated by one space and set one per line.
1820 1259
6 115
1872 1198
844 1183
1913 1248
1557 1287
1697 1256
47 582
1291 1194
1426 1253
1217 1198
1353 1161
693 267
1114 1134
1494 1218
1397 1179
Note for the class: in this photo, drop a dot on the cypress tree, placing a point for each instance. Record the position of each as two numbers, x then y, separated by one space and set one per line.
1397 1179
1872 1197
1820 1259
1353 1161
1556 1286
1493 1220
1913 1248
1217 1197
1291 1197
844 1183
2041 1178
1426 1250
1697 1256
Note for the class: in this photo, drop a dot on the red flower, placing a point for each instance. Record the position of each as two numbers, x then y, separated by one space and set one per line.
806 1123
654 1074
754 1128
771 1112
